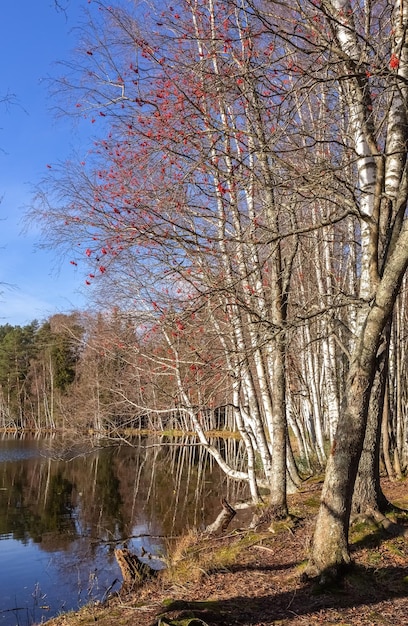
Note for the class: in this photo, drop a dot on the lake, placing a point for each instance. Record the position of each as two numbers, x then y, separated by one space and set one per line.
64 508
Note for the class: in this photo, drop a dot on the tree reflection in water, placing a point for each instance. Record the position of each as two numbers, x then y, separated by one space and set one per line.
70 513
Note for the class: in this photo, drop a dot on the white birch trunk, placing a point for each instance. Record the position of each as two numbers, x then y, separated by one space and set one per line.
310 374
363 144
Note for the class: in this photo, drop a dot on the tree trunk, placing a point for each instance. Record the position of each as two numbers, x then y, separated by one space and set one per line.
386 442
278 500
368 496
330 543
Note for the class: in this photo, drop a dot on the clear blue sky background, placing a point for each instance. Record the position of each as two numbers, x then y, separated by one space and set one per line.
34 36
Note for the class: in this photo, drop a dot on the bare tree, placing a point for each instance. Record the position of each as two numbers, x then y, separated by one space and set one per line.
253 167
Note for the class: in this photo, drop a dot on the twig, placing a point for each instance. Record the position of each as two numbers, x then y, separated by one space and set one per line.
260 547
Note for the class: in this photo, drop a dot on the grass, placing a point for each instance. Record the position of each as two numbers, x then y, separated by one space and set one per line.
363 530
190 557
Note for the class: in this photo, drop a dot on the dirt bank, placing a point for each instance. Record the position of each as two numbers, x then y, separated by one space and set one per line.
254 579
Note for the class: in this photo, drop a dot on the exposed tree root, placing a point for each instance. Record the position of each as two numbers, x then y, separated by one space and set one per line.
223 520
326 577
390 527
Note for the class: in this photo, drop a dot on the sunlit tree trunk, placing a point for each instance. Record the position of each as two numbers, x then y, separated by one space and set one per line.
368 495
330 543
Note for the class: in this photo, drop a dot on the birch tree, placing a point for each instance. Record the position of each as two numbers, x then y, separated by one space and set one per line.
185 198
381 181
357 54
253 162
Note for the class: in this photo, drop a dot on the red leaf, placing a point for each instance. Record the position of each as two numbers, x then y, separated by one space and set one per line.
394 61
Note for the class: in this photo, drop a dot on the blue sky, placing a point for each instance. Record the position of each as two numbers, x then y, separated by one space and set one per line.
34 36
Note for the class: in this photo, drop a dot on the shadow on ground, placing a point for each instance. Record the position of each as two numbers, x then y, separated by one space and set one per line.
361 587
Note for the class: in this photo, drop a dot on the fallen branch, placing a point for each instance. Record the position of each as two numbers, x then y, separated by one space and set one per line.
223 520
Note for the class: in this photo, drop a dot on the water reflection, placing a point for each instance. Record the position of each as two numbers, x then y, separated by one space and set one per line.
60 520
13 449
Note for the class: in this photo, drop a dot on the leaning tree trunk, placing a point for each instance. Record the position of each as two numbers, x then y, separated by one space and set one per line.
368 495
330 550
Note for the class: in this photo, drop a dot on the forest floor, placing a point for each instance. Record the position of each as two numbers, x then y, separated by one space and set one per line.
249 578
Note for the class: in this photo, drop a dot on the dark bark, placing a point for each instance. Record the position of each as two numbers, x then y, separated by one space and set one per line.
368 495
134 572
293 479
330 543
386 443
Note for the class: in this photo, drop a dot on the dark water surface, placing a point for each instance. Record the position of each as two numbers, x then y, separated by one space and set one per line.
62 518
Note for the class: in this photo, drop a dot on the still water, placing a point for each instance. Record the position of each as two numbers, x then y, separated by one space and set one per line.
63 512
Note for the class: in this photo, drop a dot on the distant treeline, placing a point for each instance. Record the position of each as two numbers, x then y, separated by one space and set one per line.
38 367
83 371
113 372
